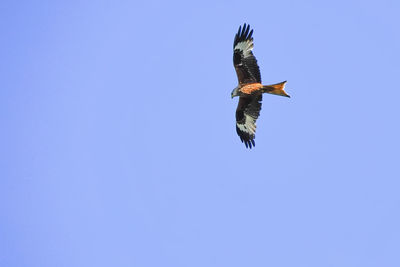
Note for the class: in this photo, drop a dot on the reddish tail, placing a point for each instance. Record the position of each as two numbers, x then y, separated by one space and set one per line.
276 89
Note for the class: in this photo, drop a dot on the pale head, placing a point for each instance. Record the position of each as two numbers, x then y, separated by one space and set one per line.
235 92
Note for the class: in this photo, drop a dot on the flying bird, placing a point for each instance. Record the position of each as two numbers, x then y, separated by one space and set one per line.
250 88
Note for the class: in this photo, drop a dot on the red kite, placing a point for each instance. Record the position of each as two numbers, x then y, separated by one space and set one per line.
250 88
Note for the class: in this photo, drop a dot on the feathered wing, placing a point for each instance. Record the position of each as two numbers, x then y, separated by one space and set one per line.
247 112
244 61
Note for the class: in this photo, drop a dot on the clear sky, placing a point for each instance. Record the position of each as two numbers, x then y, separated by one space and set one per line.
118 141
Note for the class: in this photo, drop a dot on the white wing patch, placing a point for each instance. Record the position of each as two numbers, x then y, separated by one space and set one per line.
245 47
249 126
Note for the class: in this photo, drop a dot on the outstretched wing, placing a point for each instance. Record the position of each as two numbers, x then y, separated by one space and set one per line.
244 61
247 112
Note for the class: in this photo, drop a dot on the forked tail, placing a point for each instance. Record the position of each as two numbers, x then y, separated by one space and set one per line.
276 89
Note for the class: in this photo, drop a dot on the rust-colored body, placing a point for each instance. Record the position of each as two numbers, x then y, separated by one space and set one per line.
249 88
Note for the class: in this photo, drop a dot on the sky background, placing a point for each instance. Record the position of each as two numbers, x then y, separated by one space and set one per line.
118 144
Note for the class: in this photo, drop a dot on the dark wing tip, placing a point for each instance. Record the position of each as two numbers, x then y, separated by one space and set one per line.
250 143
243 34
247 140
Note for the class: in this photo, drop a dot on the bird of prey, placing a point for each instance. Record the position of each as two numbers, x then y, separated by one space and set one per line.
250 88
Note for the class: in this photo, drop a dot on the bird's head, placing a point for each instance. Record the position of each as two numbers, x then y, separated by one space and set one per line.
235 92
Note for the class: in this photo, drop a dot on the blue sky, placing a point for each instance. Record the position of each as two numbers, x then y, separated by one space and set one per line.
118 142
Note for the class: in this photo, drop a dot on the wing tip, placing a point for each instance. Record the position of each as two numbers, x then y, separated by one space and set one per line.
244 33
249 143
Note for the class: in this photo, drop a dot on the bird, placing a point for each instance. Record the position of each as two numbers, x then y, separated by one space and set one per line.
250 88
